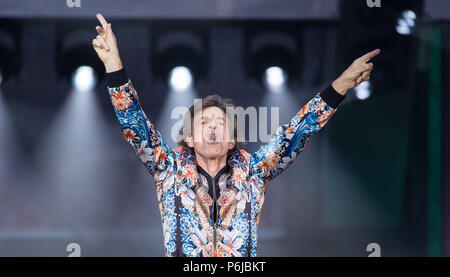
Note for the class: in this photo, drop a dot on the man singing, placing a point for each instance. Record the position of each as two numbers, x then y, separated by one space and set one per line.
210 191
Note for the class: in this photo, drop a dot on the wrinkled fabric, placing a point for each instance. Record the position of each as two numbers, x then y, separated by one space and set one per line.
184 202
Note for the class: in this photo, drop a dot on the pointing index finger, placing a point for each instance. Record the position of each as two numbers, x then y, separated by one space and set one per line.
370 55
102 20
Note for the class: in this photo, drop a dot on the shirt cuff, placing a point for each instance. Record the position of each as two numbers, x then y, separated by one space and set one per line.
331 96
116 78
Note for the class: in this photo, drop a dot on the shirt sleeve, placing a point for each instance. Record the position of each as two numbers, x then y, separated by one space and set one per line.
279 152
136 128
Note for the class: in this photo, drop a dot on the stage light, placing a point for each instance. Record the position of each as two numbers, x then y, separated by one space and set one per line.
271 66
272 58
80 67
84 78
180 78
275 78
77 63
363 91
180 56
406 22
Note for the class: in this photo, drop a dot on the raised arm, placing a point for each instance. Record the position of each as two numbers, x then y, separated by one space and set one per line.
137 129
290 139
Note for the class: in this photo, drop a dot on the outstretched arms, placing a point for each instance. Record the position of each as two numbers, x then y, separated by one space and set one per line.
290 139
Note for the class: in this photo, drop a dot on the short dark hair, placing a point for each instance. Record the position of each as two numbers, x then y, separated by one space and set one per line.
212 100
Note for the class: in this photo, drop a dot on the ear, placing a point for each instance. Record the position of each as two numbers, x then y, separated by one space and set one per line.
190 141
231 144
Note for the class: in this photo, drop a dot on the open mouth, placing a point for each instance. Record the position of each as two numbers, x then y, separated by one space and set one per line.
212 138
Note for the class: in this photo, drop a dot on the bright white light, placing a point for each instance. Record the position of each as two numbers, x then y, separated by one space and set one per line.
402 28
180 78
406 23
275 78
410 18
84 78
363 91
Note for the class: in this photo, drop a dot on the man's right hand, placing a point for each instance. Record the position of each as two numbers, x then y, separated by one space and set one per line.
105 44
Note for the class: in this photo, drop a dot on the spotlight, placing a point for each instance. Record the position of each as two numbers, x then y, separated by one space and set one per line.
180 78
84 78
179 55
80 67
275 78
272 65
272 56
363 91
406 22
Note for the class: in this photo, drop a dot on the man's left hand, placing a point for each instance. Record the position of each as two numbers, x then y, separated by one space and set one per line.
358 72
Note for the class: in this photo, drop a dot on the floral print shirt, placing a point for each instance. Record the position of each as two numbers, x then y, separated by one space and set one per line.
195 223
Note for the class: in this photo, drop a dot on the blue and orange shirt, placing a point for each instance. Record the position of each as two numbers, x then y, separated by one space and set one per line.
203 216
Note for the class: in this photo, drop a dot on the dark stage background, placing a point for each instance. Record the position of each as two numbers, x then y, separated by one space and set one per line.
377 173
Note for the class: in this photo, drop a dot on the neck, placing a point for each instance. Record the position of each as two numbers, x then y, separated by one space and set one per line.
211 166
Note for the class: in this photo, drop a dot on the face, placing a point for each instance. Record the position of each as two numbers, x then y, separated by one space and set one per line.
211 137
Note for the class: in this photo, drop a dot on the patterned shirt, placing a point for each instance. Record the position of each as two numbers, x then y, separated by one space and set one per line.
205 216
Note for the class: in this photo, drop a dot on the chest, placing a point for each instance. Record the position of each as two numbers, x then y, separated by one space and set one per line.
228 193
